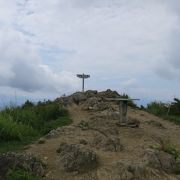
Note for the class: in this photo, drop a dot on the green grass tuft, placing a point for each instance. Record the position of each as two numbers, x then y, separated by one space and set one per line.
19 174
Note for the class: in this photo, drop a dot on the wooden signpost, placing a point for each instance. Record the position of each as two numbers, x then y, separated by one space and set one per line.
83 76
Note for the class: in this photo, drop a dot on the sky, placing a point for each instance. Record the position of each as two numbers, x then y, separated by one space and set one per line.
132 46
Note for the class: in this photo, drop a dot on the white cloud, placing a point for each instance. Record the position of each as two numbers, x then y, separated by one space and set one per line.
106 38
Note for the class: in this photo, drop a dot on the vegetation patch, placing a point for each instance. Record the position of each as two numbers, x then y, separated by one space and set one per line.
169 112
20 174
21 125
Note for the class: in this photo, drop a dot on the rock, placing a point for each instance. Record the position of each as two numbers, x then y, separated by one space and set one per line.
91 93
97 104
78 97
83 125
92 103
41 141
75 157
21 161
127 171
64 101
60 131
156 124
108 94
159 160
134 123
104 143
83 141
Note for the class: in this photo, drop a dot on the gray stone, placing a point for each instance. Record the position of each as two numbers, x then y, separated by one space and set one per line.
127 171
104 143
134 123
78 158
78 97
22 161
159 160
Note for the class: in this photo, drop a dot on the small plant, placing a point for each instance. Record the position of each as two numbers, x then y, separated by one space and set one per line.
19 174
166 146
177 168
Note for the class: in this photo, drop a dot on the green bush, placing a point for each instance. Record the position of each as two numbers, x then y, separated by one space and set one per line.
162 110
19 174
166 146
177 168
36 116
157 108
11 130
20 125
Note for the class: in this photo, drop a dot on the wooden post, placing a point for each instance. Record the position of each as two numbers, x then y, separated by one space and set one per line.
123 112
83 77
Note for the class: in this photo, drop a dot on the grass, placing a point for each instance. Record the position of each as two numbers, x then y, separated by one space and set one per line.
20 126
11 130
177 168
19 174
160 109
174 119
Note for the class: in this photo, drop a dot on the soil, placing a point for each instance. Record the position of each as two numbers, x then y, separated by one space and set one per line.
133 140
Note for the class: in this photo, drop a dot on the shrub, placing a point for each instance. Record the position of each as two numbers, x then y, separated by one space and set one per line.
157 108
11 130
177 168
19 174
166 146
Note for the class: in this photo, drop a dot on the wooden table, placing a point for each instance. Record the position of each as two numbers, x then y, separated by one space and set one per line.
123 108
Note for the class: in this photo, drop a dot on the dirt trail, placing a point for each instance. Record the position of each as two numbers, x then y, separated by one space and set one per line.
134 141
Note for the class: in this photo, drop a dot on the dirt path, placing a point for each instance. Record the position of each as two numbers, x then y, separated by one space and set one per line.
134 141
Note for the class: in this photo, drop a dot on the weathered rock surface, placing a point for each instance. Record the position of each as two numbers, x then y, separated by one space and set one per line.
55 133
134 123
156 124
108 94
159 160
104 143
78 97
22 161
126 171
76 157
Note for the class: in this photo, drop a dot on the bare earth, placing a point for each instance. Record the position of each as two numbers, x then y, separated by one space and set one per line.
134 140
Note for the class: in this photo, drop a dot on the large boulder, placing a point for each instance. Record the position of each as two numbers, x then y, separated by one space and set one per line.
76 157
26 162
159 160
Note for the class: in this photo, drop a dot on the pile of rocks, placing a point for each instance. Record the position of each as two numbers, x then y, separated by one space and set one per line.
93 97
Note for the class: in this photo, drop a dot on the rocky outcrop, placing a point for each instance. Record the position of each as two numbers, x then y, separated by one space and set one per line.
108 94
159 160
78 97
26 162
76 157
127 171
134 123
104 143
94 98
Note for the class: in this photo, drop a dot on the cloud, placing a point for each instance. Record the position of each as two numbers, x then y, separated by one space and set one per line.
22 68
45 43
